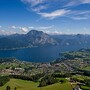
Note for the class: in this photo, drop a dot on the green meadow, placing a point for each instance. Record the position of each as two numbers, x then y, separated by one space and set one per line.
87 68
29 85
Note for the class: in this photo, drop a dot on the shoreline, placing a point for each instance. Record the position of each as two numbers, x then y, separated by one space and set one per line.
22 48
17 48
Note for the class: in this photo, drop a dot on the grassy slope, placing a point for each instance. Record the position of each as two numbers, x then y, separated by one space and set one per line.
79 77
27 85
85 87
87 68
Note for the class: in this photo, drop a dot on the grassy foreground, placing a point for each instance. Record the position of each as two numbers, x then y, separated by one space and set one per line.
28 85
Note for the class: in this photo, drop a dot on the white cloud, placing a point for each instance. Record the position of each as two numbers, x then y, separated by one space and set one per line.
79 18
55 13
2 31
79 15
31 27
39 8
39 27
0 26
55 32
71 3
16 29
76 2
64 9
24 29
9 32
85 1
45 27
13 27
33 2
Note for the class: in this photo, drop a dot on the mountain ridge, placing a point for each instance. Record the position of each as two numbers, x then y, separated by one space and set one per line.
32 38
38 38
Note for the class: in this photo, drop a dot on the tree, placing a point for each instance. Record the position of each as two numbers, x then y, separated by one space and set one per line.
87 82
15 88
62 81
8 88
47 80
43 83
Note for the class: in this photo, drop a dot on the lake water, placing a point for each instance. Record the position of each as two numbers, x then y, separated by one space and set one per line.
38 54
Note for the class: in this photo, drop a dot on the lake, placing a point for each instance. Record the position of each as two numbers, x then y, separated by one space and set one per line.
38 54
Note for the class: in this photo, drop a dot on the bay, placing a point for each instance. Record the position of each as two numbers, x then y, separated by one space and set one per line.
38 54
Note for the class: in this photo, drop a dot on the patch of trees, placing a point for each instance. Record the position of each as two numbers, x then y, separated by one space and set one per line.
59 75
8 88
77 80
62 80
72 55
87 73
87 82
4 80
29 78
6 60
47 80
84 81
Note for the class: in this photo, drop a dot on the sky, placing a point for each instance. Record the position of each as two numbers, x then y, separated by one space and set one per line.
50 16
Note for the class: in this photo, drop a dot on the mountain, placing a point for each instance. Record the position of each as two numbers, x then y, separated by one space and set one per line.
32 38
38 38
78 39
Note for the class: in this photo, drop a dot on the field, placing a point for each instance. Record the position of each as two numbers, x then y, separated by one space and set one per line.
85 87
79 77
87 68
83 78
28 85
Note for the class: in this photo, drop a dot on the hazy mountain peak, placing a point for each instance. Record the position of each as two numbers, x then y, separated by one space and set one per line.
34 32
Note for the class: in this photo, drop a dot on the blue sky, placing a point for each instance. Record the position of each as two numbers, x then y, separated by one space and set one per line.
50 16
